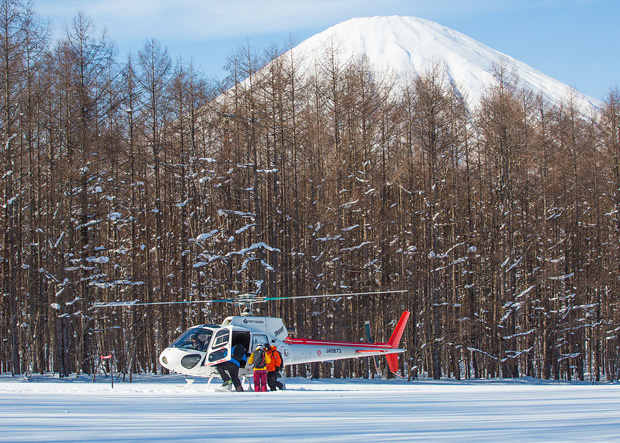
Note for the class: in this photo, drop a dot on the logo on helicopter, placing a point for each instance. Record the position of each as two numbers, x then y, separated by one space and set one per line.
247 320
279 331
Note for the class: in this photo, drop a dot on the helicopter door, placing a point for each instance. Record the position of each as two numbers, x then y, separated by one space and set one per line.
219 350
258 339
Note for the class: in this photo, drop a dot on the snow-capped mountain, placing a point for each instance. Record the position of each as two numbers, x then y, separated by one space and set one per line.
406 46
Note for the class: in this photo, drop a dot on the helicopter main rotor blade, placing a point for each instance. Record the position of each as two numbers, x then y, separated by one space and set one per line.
136 303
243 299
353 294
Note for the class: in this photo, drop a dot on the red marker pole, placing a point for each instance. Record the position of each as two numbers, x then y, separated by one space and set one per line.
109 357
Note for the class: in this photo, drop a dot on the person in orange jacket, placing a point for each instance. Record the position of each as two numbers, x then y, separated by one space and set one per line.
273 368
260 360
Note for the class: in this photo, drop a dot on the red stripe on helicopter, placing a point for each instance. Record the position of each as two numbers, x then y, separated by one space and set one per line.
305 341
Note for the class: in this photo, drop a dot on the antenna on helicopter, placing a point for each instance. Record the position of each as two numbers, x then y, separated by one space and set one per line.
247 301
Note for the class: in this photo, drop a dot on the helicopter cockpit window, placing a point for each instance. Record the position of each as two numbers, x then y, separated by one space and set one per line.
221 338
195 338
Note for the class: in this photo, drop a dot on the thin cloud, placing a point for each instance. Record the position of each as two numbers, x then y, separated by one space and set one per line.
202 20
199 19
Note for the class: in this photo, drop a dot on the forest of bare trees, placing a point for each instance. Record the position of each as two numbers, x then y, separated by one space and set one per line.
139 179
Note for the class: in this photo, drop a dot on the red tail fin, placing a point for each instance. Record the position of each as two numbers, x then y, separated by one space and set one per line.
398 330
392 359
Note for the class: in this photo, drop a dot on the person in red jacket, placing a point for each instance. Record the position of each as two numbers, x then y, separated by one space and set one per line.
273 368
260 360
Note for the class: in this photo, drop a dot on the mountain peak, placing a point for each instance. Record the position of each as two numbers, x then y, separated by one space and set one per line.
406 46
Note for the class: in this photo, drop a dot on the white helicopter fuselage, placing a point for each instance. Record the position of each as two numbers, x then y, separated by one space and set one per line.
200 360
181 357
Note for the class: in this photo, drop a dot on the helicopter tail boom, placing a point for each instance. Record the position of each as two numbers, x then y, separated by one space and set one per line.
309 350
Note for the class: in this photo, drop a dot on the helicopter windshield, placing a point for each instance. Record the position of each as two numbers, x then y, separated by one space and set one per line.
197 338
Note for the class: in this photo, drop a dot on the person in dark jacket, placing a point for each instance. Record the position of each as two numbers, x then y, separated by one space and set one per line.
198 342
229 370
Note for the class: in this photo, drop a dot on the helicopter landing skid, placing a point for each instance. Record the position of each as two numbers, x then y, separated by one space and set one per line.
245 378
230 388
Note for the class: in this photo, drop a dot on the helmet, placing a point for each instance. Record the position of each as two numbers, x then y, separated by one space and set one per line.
194 337
258 347
266 346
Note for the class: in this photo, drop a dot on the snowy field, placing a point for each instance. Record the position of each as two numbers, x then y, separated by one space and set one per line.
166 409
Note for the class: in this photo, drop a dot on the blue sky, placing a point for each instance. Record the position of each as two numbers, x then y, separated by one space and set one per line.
575 41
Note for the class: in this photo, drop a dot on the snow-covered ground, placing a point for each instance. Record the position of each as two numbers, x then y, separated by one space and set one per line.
165 408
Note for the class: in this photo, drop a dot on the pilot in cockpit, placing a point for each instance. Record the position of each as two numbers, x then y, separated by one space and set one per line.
198 342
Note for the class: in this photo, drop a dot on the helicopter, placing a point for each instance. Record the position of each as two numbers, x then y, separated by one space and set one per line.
198 350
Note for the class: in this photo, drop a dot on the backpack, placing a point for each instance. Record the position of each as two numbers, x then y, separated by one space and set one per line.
238 352
259 358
